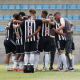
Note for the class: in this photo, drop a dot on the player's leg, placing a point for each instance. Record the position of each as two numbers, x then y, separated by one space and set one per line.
21 58
68 54
47 49
52 56
16 58
27 52
33 50
8 48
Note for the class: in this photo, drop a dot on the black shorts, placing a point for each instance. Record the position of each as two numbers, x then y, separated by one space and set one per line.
60 44
31 46
44 44
19 49
9 46
73 46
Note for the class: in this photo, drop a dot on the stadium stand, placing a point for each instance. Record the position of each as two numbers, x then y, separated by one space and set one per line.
11 7
52 6
31 6
59 6
76 17
73 6
69 17
5 6
1 17
45 6
24 6
18 6
2 28
6 17
38 6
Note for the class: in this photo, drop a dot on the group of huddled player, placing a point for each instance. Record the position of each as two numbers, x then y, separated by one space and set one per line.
27 36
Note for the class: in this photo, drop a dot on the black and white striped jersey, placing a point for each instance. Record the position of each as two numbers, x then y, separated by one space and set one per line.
19 35
10 34
7 34
30 26
57 36
45 30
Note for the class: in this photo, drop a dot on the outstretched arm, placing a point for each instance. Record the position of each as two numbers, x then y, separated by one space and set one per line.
39 27
56 31
17 21
16 26
61 27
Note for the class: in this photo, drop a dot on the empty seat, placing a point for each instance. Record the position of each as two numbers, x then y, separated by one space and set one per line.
6 17
11 16
59 6
0 6
63 15
38 6
75 17
78 6
31 6
4 6
73 28
77 28
73 6
45 6
24 6
18 6
65 6
11 6
69 17
2 28
52 6
1 17
39 17
36 16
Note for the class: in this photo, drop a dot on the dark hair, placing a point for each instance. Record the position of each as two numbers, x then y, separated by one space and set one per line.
17 16
57 13
50 15
45 12
32 11
22 13
14 14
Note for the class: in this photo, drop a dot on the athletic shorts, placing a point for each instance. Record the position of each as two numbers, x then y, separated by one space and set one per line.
44 44
60 44
31 46
19 49
73 46
9 47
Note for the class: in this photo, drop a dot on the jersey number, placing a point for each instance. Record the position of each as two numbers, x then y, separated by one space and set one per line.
47 30
30 27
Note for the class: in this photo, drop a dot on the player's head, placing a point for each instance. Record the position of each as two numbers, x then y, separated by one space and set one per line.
44 14
14 15
32 11
57 15
22 14
18 17
51 17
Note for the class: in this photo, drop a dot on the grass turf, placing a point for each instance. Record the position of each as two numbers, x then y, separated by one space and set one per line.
48 75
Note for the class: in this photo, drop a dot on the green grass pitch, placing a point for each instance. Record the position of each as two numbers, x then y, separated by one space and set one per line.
48 75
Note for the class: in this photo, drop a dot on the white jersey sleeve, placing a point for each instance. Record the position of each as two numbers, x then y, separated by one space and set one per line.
62 21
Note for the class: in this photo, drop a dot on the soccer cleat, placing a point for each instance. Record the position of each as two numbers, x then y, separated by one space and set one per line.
51 68
39 69
71 69
9 69
35 70
64 70
14 69
44 69
20 70
57 69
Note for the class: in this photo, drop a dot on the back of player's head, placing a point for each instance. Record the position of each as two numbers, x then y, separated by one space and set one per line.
57 13
22 13
45 12
14 15
17 16
33 11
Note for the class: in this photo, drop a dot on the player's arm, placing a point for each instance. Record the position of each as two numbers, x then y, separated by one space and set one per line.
61 27
52 36
39 27
46 21
16 26
51 23
71 31
17 21
56 31
62 21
